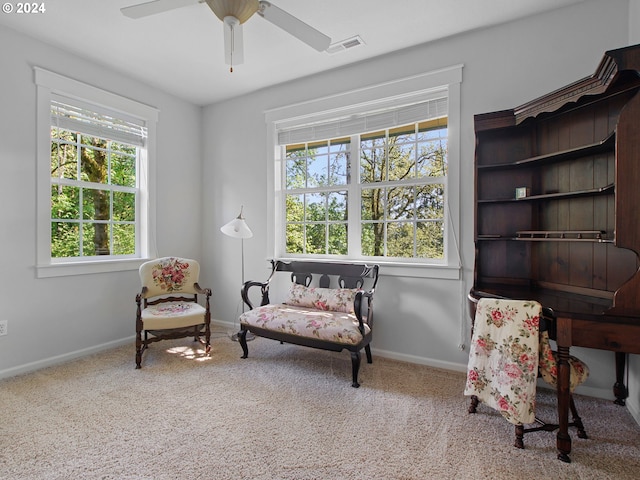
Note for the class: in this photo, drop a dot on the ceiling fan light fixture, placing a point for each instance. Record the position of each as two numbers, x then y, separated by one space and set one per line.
240 9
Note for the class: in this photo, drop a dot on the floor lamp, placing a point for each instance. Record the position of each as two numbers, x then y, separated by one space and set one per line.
238 228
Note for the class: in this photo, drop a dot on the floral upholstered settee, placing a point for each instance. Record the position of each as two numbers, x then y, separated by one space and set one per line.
320 316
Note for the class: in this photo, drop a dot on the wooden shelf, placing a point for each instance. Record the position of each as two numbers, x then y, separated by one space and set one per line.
552 196
596 236
592 236
605 145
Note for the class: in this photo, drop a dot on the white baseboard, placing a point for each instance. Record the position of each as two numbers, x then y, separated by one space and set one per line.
58 359
222 323
634 410
429 362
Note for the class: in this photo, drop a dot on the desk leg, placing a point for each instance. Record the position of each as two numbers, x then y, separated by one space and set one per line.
563 440
619 389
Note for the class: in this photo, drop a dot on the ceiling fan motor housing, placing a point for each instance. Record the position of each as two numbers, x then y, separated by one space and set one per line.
240 9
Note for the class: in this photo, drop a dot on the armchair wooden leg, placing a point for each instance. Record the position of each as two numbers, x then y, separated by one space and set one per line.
367 350
242 339
138 350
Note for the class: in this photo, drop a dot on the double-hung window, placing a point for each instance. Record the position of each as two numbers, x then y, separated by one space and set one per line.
93 178
371 181
94 165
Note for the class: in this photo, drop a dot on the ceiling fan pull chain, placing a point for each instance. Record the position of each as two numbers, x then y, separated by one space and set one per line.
232 48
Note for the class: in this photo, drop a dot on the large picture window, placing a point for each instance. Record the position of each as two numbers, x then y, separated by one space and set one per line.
371 180
95 184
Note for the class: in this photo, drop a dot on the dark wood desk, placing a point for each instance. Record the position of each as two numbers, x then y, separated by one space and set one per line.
614 333
572 241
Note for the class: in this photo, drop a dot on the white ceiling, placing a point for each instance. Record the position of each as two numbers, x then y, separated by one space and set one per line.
181 51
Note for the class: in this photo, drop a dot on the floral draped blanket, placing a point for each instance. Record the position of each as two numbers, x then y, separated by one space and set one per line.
503 357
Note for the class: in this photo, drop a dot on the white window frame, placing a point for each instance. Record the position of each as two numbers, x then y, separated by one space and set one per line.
48 83
409 90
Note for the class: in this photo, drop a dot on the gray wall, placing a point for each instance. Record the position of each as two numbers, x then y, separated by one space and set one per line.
55 318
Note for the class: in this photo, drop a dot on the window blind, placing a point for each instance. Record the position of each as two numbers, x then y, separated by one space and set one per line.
78 116
365 122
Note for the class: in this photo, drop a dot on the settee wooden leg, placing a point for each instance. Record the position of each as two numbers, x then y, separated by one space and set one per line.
242 339
367 350
355 367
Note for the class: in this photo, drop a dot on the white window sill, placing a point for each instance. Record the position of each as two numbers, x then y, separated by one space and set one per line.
444 272
88 267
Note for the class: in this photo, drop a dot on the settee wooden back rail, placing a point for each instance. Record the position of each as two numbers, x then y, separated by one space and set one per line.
349 276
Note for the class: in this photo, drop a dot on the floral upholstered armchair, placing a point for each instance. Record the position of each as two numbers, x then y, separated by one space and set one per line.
509 350
167 305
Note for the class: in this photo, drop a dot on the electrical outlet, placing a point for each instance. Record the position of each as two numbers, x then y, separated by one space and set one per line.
3 327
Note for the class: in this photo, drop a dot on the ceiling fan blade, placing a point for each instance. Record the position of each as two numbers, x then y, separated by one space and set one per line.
294 26
156 6
233 45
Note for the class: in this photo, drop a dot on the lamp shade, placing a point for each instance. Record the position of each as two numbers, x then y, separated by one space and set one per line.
237 228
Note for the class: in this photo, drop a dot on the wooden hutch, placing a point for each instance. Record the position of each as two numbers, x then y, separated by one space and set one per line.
557 212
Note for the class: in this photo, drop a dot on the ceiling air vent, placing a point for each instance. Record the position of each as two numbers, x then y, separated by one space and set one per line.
343 45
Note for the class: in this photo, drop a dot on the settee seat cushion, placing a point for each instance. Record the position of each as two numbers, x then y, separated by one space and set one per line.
331 326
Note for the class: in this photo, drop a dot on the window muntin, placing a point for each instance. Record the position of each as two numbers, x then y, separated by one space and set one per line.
400 191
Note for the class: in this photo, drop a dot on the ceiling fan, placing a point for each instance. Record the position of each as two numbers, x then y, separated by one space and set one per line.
233 14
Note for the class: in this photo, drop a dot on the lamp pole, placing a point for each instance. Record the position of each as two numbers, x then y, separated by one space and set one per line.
238 228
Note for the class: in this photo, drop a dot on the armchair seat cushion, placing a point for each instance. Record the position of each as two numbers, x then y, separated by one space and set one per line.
332 326
173 315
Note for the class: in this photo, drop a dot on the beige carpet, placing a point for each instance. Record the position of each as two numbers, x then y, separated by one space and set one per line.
286 412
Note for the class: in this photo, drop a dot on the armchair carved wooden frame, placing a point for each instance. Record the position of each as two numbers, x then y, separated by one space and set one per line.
167 305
